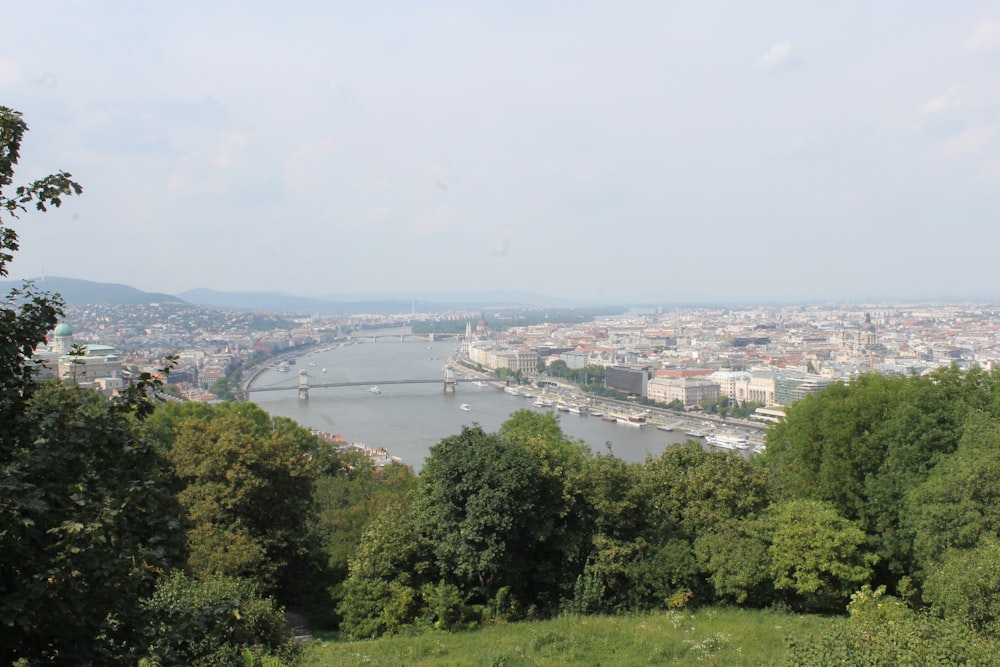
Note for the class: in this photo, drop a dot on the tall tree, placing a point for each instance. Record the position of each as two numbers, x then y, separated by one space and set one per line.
247 484
84 523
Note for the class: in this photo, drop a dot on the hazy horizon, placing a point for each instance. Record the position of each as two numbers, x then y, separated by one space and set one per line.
613 152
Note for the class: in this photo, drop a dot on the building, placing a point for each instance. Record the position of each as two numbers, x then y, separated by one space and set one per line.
688 390
630 380
87 365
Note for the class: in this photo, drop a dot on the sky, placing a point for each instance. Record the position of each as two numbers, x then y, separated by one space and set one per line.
602 151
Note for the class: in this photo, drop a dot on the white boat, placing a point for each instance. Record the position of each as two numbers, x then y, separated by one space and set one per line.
577 409
464 406
375 390
728 441
637 420
513 391
480 383
324 369
543 401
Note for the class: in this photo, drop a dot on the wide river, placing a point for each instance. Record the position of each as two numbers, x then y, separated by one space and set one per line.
409 419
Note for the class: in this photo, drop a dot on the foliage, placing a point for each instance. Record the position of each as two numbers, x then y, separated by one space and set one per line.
883 631
493 515
392 562
957 504
735 554
866 446
84 520
86 525
247 492
817 555
346 499
215 622
965 586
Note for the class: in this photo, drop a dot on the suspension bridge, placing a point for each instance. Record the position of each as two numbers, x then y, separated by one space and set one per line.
303 384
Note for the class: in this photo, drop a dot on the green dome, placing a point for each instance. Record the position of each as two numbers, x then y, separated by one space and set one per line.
63 329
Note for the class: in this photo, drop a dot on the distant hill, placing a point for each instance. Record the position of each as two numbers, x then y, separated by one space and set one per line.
86 292
83 292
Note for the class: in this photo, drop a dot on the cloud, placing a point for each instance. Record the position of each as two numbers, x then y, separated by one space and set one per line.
777 54
10 72
970 142
985 37
946 101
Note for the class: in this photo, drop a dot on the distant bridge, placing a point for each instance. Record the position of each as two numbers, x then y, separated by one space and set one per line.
303 385
429 337
367 383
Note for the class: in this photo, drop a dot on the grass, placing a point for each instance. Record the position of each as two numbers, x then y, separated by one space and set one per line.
719 636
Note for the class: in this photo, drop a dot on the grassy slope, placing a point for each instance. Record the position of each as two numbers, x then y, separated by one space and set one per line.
709 636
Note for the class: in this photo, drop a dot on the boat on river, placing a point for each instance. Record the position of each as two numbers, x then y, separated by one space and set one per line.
513 391
375 390
728 441
633 419
465 407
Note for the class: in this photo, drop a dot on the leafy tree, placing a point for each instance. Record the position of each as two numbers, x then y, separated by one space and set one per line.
247 484
214 622
816 555
86 526
393 562
346 500
864 447
736 556
882 630
490 512
965 586
956 506
84 522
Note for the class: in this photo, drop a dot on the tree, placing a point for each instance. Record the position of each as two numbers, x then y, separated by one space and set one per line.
965 586
247 484
84 520
488 509
87 524
214 622
817 556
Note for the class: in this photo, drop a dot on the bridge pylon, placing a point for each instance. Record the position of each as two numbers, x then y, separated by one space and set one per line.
303 385
449 381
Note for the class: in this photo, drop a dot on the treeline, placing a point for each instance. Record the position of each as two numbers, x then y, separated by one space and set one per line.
888 486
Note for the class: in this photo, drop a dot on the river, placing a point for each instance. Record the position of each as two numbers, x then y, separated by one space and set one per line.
409 419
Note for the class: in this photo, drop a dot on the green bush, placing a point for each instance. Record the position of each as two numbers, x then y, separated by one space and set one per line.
214 622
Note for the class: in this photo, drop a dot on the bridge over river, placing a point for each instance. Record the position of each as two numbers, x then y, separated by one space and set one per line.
302 384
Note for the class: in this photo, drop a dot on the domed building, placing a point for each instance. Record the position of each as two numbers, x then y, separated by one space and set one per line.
62 338
99 367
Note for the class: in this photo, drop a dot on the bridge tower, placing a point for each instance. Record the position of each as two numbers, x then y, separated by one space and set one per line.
303 385
449 381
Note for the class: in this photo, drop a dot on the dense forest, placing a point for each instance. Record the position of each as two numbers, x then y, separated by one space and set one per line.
133 531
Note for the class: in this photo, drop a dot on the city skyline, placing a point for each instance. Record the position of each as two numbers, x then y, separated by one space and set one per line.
628 152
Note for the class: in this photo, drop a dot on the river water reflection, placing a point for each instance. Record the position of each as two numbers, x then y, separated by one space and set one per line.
409 419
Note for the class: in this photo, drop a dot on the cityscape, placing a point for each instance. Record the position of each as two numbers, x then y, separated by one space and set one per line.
767 355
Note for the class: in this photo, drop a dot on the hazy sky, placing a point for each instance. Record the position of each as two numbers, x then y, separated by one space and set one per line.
605 150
